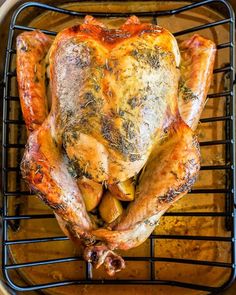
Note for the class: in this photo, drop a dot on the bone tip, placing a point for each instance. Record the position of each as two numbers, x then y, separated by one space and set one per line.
100 254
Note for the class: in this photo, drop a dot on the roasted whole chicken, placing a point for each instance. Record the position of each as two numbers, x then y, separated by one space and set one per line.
114 124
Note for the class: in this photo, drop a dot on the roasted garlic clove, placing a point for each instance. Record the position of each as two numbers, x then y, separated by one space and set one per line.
110 208
123 191
91 192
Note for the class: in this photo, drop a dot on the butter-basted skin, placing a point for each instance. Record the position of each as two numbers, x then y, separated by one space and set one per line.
197 61
114 112
112 93
32 48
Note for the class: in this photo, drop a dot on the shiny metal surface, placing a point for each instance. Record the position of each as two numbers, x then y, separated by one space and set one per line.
4 17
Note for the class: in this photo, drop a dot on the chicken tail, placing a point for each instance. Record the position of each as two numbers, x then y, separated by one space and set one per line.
101 254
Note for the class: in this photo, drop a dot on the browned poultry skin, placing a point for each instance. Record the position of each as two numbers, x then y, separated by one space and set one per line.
109 101
114 111
47 170
196 68
32 47
170 171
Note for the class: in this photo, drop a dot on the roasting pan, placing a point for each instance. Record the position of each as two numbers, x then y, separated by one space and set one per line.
192 251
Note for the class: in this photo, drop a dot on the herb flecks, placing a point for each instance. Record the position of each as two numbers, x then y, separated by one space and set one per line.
129 128
187 93
76 170
116 139
147 55
72 171
133 102
97 87
121 112
89 99
79 55
134 157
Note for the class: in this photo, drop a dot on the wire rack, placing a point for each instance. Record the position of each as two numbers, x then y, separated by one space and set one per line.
13 221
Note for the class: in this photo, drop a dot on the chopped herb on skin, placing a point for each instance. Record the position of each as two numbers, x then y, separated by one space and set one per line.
54 141
121 113
148 222
83 121
147 55
187 93
70 113
91 101
133 102
134 157
129 128
107 66
97 87
175 174
72 171
47 82
89 96
76 170
116 140
74 135
161 199
38 168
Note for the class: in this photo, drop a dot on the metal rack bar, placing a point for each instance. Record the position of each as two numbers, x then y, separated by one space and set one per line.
224 93
152 255
15 193
152 237
110 282
40 240
13 98
197 238
15 122
223 69
24 217
193 191
216 119
224 45
209 167
198 28
127 258
210 191
43 262
217 167
14 145
47 216
216 142
199 214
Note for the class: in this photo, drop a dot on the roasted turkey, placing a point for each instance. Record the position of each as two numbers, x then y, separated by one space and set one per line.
124 106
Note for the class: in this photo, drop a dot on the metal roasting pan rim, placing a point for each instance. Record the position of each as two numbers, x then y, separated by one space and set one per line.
5 10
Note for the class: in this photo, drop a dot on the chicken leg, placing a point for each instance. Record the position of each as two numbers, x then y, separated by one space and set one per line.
44 166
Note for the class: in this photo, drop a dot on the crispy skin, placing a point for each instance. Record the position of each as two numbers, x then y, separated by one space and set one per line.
113 93
169 174
197 61
32 48
114 110
46 170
